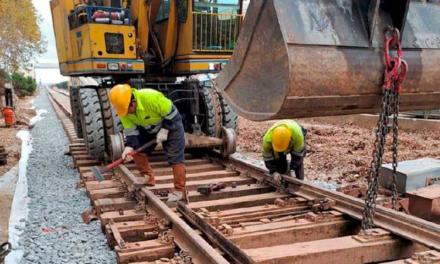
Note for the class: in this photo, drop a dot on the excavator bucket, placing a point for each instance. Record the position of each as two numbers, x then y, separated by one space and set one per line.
305 58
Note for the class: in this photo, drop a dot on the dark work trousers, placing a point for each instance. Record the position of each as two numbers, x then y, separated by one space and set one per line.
281 164
174 146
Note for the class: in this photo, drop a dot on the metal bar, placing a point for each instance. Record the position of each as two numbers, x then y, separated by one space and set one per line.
186 237
230 30
215 237
210 32
406 226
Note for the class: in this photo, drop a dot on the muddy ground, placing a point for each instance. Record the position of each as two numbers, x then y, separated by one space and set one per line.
341 153
12 144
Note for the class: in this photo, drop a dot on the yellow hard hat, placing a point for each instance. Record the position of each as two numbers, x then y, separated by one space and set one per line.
120 97
281 138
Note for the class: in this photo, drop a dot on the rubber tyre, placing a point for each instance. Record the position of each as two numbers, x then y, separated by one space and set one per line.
112 124
92 123
229 117
212 125
76 111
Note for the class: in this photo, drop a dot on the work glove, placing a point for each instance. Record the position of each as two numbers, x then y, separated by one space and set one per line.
162 135
276 178
125 156
292 174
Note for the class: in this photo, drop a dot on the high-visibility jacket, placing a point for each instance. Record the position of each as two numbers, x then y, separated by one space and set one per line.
296 144
152 107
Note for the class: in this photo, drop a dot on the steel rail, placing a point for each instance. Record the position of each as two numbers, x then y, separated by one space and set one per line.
406 226
185 237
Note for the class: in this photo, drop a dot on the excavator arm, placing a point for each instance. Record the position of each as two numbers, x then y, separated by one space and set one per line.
308 58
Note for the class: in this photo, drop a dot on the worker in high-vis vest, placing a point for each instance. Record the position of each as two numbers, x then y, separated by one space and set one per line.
283 138
143 113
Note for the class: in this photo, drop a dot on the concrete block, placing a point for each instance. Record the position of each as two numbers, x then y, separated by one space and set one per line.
425 203
411 174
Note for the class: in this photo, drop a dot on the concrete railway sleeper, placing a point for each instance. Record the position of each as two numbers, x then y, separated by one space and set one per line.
250 220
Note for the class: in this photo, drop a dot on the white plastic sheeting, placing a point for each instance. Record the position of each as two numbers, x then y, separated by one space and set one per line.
19 208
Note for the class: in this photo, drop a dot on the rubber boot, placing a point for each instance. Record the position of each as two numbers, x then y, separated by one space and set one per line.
179 172
143 165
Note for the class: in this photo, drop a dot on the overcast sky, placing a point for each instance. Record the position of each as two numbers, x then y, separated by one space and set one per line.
46 27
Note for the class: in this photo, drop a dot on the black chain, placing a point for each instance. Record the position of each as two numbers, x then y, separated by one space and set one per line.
381 131
395 73
395 106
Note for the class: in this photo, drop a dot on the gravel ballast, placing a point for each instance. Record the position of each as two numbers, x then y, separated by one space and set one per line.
54 230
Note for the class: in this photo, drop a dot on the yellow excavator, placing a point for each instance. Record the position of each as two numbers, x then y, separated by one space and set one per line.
175 46
292 58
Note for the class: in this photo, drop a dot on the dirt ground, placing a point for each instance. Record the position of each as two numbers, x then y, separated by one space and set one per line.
341 153
12 145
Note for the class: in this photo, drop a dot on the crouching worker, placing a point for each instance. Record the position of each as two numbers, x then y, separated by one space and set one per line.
283 138
143 113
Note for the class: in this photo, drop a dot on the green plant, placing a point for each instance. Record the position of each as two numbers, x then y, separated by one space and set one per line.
62 85
23 85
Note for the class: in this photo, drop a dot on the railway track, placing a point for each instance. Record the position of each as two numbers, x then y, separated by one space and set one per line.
251 220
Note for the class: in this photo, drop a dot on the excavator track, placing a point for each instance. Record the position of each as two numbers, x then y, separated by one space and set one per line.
250 220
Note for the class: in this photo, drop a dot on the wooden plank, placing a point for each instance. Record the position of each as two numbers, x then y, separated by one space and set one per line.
192 185
126 216
339 250
87 163
244 201
113 204
229 192
97 185
133 231
129 229
82 157
79 152
215 176
424 257
293 231
106 193
164 158
76 145
84 169
149 254
165 164
189 169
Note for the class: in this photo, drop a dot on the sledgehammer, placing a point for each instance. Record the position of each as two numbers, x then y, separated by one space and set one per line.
98 171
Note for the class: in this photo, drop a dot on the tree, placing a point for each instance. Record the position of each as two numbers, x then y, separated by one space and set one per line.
20 36
23 85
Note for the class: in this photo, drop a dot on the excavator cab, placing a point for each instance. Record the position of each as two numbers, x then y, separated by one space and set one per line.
318 58
167 45
95 39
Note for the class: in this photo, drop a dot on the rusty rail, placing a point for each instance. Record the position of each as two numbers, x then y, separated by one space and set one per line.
407 226
186 237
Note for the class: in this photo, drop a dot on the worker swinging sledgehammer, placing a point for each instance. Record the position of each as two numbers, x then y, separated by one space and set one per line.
143 113
283 138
